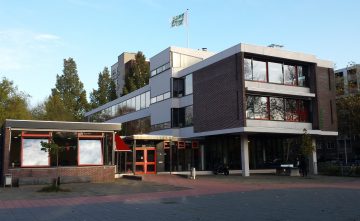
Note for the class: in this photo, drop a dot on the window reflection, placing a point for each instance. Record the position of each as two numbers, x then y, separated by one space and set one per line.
259 70
276 108
247 69
32 155
90 152
290 75
275 73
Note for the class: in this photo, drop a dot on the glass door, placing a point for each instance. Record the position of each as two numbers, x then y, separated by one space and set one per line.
145 160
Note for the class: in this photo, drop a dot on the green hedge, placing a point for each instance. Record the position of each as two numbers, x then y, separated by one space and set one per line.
336 170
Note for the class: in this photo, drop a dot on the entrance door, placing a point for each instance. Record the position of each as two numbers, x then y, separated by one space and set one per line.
145 160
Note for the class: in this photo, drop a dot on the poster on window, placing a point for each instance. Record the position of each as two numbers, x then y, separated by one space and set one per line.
32 155
90 152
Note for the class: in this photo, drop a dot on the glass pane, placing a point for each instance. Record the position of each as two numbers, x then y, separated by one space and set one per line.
142 101
147 98
90 152
167 95
290 75
153 72
188 84
133 104
139 168
32 155
275 73
303 111
137 102
291 110
250 107
153 100
150 168
189 116
160 98
302 76
140 156
151 156
261 107
247 69
259 70
276 108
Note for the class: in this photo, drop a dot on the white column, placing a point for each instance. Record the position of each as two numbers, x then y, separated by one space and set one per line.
313 159
244 155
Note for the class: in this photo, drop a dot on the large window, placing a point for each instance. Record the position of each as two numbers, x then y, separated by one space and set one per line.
259 71
257 107
32 155
275 72
182 117
277 108
90 152
182 86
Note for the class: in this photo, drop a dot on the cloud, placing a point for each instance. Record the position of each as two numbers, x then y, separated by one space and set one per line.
46 37
19 48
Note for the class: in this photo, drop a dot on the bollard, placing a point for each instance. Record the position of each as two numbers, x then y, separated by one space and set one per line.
193 173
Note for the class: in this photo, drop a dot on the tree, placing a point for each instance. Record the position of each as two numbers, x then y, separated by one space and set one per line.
137 74
106 91
13 104
69 91
348 114
56 110
306 147
53 149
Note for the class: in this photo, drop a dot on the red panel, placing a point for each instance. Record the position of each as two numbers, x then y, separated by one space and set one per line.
181 144
120 144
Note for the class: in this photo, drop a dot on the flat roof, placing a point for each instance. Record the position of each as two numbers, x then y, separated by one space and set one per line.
60 125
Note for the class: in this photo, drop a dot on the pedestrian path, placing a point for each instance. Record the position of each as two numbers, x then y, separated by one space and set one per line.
198 187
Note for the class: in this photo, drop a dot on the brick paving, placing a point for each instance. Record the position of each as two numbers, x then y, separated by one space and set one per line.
204 199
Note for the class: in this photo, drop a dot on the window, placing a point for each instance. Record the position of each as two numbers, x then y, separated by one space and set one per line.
257 107
142 101
176 60
276 108
291 110
182 117
302 76
137 102
90 152
32 155
167 95
188 84
153 100
178 87
290 77
160 98
259 71
248 69
147 99
160 69
275 73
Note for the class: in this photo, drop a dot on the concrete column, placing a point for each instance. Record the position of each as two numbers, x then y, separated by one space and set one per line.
244 155
313 159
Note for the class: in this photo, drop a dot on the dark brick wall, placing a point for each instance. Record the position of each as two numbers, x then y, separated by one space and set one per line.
5 153
326 118
218 94
95 173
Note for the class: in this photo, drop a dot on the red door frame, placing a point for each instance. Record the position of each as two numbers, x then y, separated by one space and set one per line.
145 163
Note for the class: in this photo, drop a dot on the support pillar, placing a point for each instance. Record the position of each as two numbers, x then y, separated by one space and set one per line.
244 155
202 157
313 159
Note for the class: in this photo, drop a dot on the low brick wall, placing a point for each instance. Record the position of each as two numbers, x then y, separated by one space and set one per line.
95 173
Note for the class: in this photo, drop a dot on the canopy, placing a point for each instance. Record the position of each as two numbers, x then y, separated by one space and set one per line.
120 144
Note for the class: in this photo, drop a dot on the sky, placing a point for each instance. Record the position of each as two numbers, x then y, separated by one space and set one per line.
36 35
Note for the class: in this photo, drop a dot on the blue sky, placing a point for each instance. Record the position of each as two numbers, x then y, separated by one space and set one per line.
36 35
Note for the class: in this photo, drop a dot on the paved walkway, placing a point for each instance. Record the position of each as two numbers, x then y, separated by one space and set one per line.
169 186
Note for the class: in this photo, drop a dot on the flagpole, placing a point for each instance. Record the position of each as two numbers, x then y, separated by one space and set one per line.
187 27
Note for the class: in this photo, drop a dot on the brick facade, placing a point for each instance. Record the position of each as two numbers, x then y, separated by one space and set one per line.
95 173
325 99
218 94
